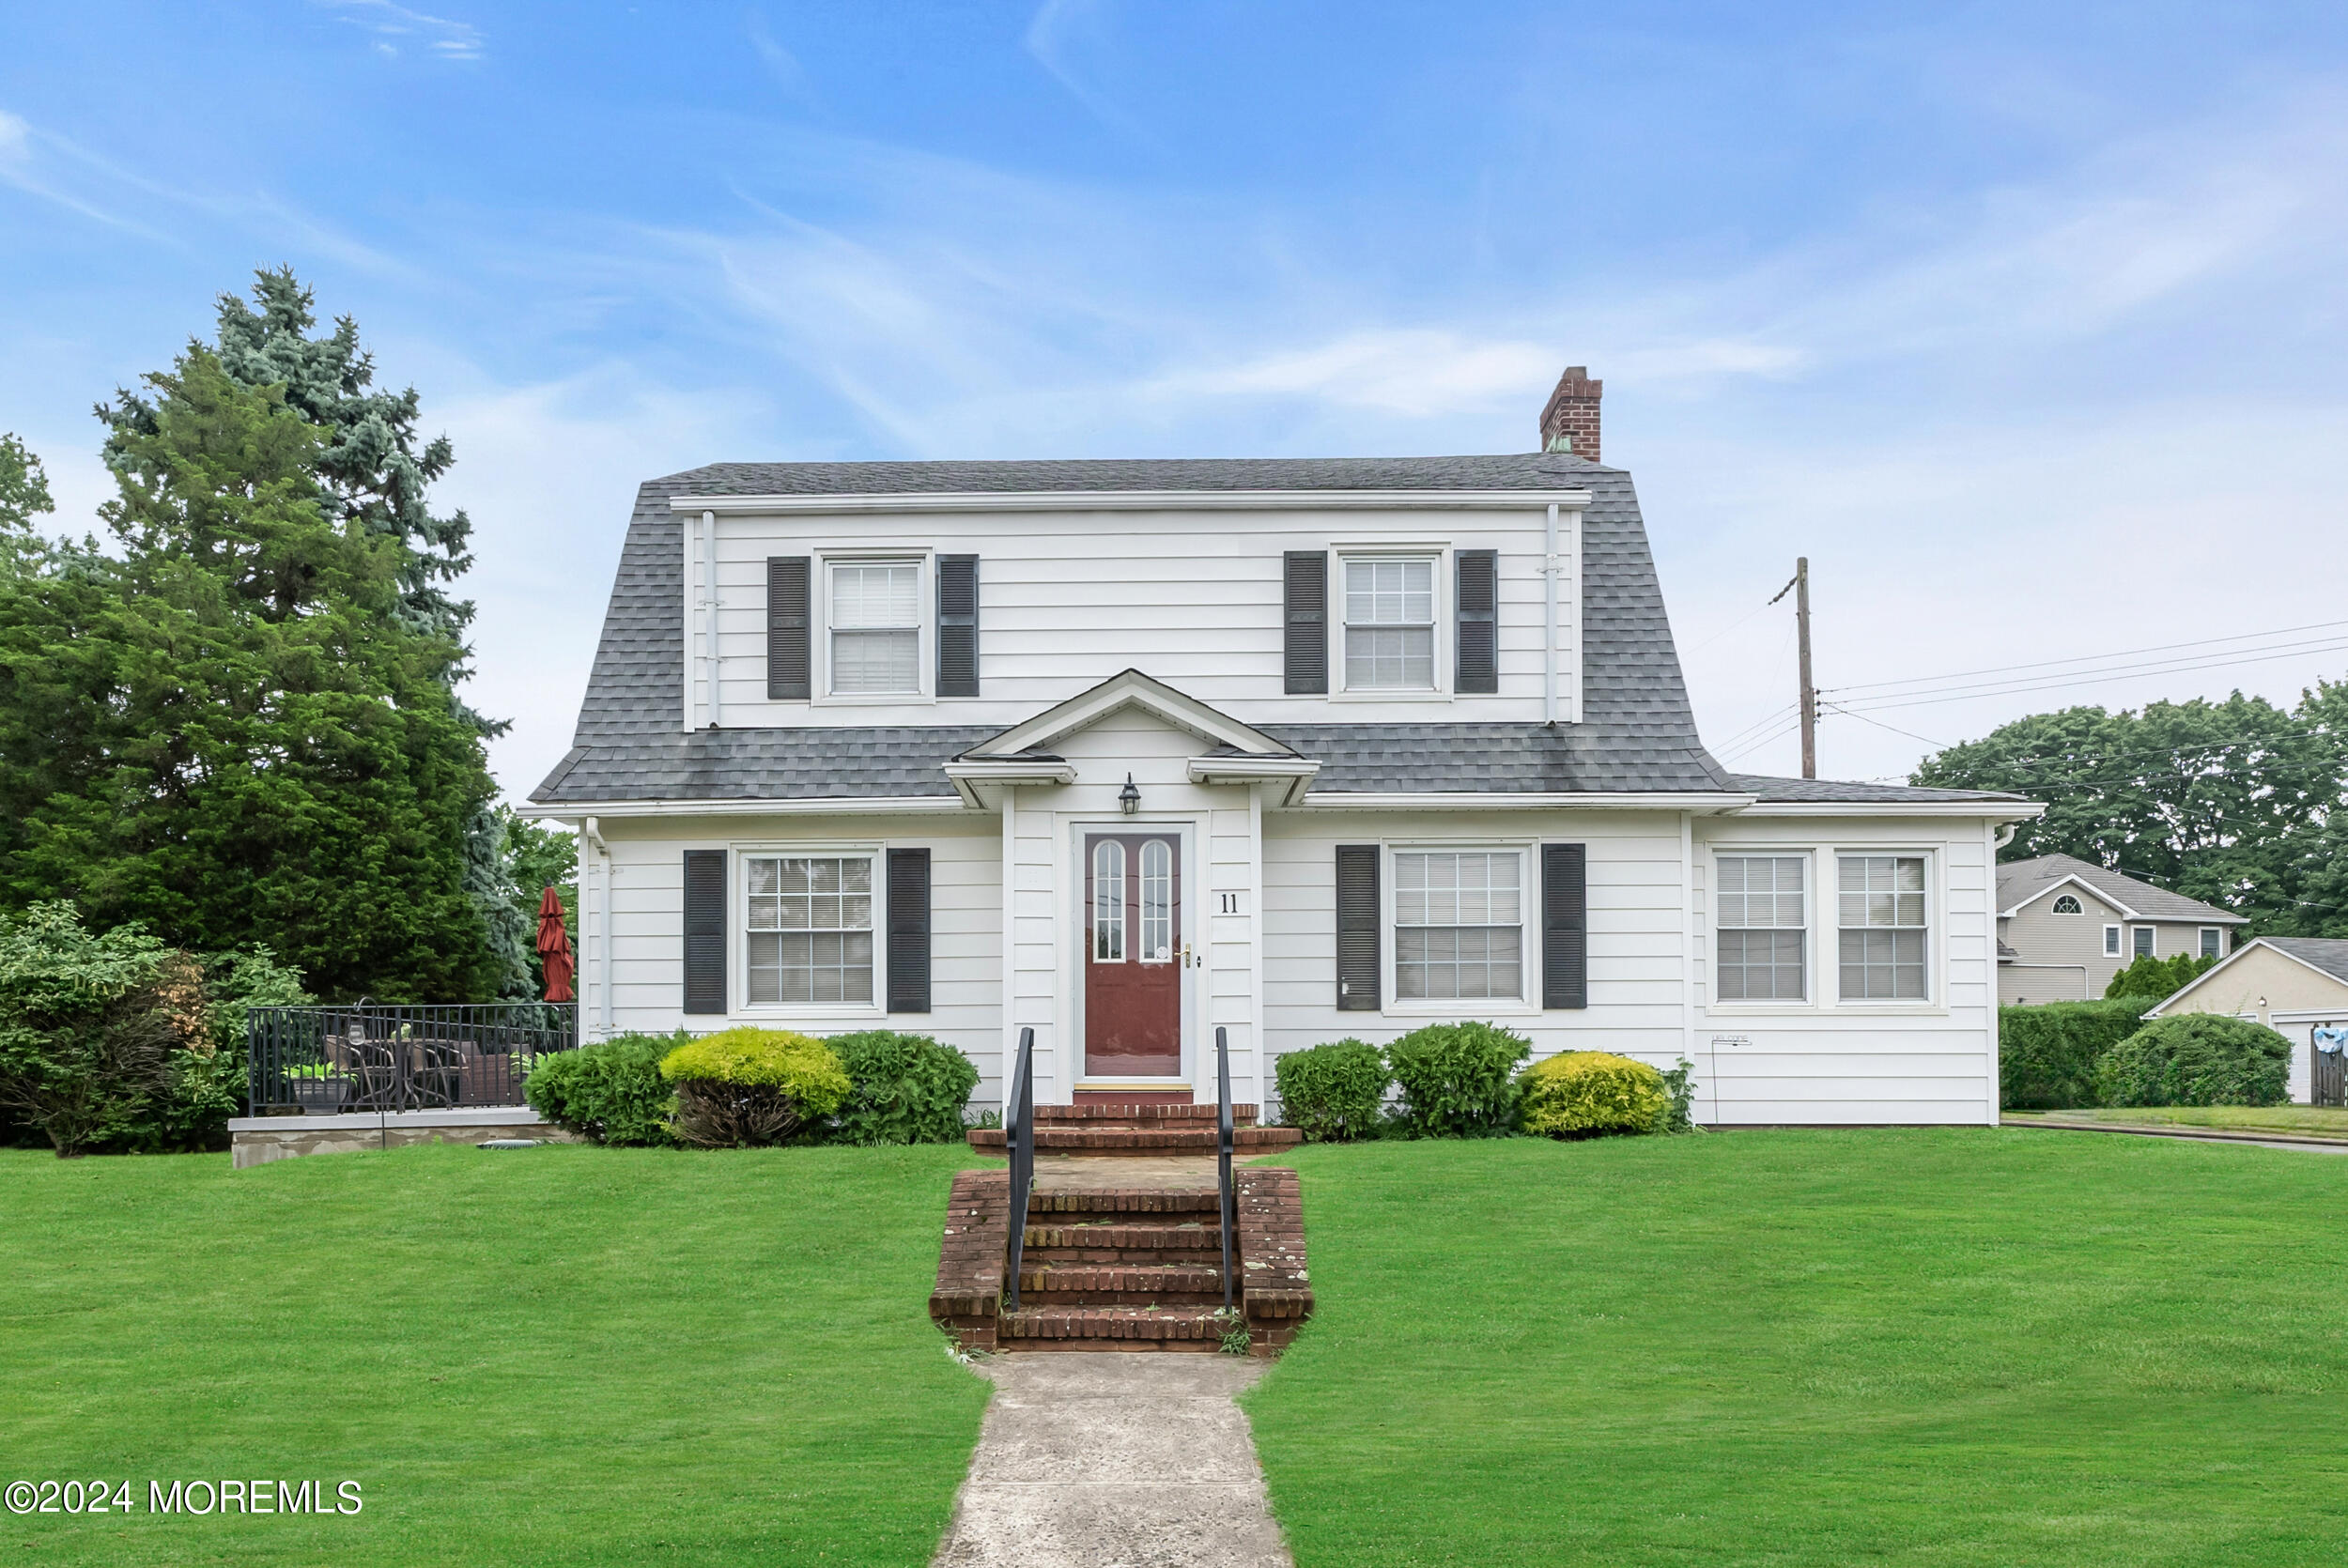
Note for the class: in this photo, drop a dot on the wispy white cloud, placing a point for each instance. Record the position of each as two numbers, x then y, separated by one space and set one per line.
1060 34
779 62
393 24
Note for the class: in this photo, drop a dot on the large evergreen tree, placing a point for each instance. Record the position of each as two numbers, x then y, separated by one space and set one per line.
258 743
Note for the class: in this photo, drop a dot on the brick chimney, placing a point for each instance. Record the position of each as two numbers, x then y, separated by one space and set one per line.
1569 422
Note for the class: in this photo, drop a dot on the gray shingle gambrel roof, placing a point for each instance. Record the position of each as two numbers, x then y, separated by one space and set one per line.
1637 733
2018 881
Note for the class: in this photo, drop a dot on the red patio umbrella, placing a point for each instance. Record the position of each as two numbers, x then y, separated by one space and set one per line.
554 947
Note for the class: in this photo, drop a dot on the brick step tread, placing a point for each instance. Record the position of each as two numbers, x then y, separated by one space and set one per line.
1128 1140
1110 1323
1123 1200
1126 1237
1141 1278
1106 1112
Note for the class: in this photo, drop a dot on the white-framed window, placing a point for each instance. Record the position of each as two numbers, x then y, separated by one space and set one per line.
874 619
808 929
1109 902
1761 935
1157 901
1390 619
2066 905
1458 925
2144 941
1884 927
2111 942
2213 943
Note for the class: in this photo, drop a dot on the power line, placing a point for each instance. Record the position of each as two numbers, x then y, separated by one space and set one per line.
1932 699
2044 664
1838 708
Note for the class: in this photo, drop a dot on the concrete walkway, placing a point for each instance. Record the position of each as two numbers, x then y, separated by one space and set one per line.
1108 1459
2187 1134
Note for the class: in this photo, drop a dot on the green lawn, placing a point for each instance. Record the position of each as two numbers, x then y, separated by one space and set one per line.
547 1356
2308 1121
1887 1347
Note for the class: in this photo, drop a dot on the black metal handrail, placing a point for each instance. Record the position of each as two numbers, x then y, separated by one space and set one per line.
371 1057
1223 1152
1019 1142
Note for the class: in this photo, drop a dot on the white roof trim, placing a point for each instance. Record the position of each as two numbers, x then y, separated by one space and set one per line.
1703 805
1141 500
834 805
1128 688
2227 963
2003 811
1296 771
2072 879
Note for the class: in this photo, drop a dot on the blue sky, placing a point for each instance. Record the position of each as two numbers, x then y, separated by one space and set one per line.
2025 323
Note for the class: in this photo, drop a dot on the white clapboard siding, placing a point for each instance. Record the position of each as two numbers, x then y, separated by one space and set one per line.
1831 1061
1067 599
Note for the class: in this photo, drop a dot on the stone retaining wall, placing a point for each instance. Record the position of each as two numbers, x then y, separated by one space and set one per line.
258 1140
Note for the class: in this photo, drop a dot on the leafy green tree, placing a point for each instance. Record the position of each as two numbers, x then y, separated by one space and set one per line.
86 1034
2148 978
270 752
536 857
24 488
2220 801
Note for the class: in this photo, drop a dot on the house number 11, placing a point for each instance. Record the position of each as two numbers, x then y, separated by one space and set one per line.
1230 904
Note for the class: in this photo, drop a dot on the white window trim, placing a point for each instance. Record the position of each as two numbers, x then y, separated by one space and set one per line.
1935 929
925 616
2114 943
2202 944
1812 989
1444 627
2150 935
1527 1003
738 934
2076 908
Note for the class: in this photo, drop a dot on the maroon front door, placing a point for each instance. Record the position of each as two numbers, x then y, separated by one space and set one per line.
1133 956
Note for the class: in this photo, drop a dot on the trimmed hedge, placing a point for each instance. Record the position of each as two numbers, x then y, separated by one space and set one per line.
611 1092
2047 1055
903 1089
1591 1093
1458 1080
2154 980
747 1087
1333 1091
2196 1060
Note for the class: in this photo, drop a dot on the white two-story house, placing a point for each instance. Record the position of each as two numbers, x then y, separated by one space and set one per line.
1129 751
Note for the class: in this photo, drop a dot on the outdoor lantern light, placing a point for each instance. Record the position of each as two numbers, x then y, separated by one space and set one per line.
1129 799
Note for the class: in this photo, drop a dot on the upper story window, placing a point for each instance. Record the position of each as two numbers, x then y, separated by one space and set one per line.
2111 942
875 628
809 929
1390 623
1763 928
2213 944
2144 941
1883 928
1458 924
2066 905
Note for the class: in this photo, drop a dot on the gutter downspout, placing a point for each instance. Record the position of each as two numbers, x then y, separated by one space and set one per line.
590 830
709 608
1548 624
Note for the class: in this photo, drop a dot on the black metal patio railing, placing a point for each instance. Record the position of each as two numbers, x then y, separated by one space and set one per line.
370 1057
1019 1142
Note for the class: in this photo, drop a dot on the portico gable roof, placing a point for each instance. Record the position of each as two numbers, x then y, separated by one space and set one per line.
1128 688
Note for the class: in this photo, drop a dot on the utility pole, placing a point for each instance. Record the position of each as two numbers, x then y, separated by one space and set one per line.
1800 587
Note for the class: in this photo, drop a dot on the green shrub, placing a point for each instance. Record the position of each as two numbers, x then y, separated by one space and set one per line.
89 1023
2196 1060
747 1087
1679 1084
1458 1080
1333 1091
1579 1094
2153 978
611 1092
903 1089
2047 1055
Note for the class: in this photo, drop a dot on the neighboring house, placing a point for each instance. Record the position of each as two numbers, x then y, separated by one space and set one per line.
1130 752
2295 985
2066 926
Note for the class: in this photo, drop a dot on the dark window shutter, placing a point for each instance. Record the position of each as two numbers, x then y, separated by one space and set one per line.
1565 926
704 930
1478 601
908 931
789 668
1305 616
1358 915
957 626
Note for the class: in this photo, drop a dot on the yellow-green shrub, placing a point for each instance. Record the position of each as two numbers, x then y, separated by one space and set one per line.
1582 1093
743 1087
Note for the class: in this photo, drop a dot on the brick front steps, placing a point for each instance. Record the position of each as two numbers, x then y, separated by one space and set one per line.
1112 1268
1128 1128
